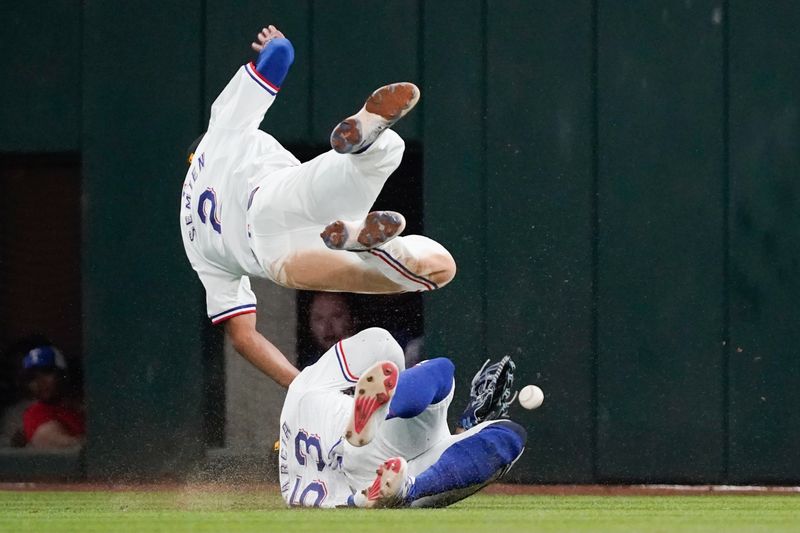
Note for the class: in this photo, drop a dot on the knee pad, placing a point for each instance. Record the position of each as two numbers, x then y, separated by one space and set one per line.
510 425
514 434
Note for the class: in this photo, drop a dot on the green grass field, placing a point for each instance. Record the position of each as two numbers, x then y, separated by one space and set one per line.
177 511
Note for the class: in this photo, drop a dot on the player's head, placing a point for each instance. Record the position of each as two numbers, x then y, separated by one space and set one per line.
44 371
330 318
193 148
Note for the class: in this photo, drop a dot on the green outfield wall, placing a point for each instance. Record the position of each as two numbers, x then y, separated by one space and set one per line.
618 182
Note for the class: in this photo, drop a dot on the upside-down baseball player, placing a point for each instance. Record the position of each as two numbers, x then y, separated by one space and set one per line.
332 444
250 208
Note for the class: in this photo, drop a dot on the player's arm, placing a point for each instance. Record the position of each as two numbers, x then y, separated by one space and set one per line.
246 98
230 301
52 434
275 55
261 353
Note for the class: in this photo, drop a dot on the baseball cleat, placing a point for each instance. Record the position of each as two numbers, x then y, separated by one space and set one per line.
383 108
390 486
373 392
378 227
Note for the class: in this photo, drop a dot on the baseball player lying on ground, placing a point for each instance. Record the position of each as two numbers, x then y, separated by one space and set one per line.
395 423
250 208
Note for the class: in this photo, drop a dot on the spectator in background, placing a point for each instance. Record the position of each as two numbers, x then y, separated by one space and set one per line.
14 394
330 319
52 421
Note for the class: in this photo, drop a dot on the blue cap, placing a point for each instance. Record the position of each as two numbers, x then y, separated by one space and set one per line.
44 357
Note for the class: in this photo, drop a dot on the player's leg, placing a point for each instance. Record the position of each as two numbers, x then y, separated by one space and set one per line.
344 363
300 260
414 263
351 182
469 462
291 207
421 386
463 465
416 420
329 187
447 467
411 393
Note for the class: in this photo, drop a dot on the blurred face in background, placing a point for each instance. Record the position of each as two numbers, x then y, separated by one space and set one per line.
329 319
45 385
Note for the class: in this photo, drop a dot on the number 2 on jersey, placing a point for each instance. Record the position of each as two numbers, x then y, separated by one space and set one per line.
209 195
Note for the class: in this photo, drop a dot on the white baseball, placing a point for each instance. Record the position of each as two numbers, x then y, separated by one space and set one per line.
530 397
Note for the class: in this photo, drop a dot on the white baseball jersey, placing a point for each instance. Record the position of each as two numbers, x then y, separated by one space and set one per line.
231 159
313 454
313 421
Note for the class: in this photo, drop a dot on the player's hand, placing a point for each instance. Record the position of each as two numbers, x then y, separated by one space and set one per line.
265 36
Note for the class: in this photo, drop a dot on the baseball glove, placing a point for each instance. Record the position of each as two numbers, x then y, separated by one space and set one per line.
491 393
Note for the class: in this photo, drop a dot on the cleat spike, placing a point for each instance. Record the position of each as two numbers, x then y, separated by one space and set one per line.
377 228
390 486
383 108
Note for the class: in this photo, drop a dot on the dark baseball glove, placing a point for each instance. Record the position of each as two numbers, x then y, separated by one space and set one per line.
491 393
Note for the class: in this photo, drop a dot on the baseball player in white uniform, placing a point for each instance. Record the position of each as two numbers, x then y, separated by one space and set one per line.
250 208
395 423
